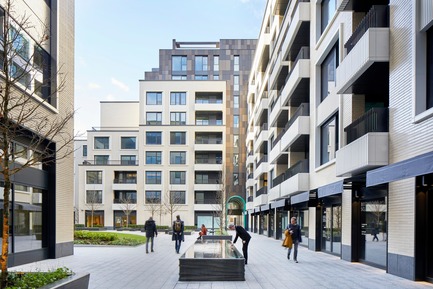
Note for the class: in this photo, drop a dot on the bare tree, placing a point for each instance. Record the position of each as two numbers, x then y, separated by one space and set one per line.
220 203
172 203
93 203
128 206
31 134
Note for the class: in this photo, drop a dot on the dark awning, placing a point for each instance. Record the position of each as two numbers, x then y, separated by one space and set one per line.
279 203
299 198
264 208
330 189
416 166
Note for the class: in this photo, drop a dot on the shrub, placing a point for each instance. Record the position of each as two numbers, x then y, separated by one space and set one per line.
20 280
105 238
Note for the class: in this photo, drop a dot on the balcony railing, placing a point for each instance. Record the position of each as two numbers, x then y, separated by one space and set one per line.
299 167
208 141
374 120
250 176
302 110
208 122
250 199
209 161
378 16
263 127
125 181
111 163
123 201
263 159
262 191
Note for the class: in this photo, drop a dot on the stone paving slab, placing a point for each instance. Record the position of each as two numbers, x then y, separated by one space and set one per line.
113 267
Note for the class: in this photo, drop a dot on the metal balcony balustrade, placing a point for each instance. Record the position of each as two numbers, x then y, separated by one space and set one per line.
111 163
125 181
302 110
262 191
125 202
263 159
377 16
208 122
250 153
299 167
374 120
209 161
208 101
208 141
263 127
250 199
250 176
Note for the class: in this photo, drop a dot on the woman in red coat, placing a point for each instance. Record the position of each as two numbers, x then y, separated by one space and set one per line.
202 232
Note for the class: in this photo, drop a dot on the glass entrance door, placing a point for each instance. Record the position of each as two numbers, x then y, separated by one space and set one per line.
331 229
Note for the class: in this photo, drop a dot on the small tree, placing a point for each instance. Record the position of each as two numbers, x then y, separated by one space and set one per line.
171 203
93 203
154 206
128 206
220 203
28 85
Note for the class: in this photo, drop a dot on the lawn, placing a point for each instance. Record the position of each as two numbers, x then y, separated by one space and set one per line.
108 238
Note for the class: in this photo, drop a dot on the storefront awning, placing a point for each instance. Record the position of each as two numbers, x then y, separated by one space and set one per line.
264 208
416 166
330 189
279 203
299 198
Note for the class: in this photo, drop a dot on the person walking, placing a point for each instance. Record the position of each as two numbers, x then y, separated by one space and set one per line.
150 228
295 232
178 228
202 232
243 234
375 232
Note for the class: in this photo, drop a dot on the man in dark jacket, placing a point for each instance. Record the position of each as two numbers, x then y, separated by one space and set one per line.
150 228
295 232
243 234
178 237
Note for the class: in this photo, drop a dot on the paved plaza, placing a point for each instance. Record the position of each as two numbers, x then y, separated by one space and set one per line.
131 268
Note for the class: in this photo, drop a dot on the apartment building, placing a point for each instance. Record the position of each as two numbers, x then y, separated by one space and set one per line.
41 203
339 130
187 134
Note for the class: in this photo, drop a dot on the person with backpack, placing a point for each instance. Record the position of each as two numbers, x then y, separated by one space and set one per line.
177 236
150 228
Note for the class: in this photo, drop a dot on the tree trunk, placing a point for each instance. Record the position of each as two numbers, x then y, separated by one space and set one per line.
5 233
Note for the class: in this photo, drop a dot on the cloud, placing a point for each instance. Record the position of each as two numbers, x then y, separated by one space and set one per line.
245 1
93 85
119 84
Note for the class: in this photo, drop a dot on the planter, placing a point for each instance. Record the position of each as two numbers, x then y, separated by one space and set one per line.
76 281
217 237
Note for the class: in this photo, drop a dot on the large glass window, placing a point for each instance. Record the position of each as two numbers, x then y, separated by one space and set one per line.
125 177
84 150
236 121
329 140
153 98
154 118
101 143
178 158
178 98
94 177
178 63
216 63
128 160
178 138
153 138
327 12
201 77
128 142
153 158
20 44
177 118
125 197
177 178
153 177
153 197
93 197
236 83
20 151
328 72
200 63
178 197
236 101
101 159
236 63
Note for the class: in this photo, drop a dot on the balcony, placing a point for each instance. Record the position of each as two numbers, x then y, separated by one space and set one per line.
250 158
111 163
250 180
261 166
293 180
367 147
250 204
260 200
261 138
367 59
296 137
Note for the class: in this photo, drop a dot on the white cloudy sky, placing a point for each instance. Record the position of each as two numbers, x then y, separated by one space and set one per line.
115 44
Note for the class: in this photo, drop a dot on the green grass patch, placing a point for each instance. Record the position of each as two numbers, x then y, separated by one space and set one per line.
107 238
31 280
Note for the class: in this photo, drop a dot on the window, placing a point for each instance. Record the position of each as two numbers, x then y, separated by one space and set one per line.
216 63
178 63
101 160
84 150
154 118
236 63
93 197
153 177
328 9
235 179
128 160
20 151
178 138
153 138
236 83
128 142
177 197
216 77
177 178
94 177
236 140
236 160
21 188
328 140
20 44
153 158
125 197
178 158
153 98
236 101
201 63
42 62
125 177
178 118
201 178
101 143
236 121
328 72
21 75
201 77
153 197
429 101
178 98
179 77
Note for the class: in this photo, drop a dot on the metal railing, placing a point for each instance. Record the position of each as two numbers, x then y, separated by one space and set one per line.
374 120
378 16
262 191
125 181
300 167
263 159
302 110
250 199
110 163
